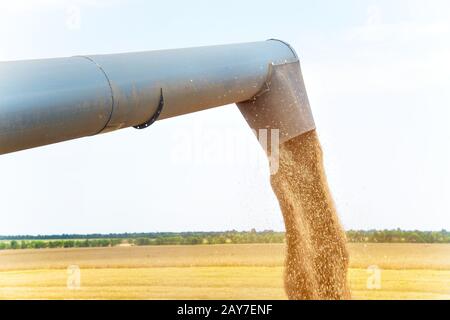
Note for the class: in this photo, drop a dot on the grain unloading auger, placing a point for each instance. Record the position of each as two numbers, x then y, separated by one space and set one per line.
53 100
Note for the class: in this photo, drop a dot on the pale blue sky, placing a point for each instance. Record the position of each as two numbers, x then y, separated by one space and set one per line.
377 74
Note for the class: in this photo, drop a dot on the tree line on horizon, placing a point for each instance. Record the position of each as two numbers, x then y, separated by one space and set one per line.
196 238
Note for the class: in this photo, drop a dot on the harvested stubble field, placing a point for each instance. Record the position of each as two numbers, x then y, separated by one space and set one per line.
407 271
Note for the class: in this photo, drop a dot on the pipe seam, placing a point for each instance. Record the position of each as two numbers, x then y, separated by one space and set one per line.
287 45
266 86
110 88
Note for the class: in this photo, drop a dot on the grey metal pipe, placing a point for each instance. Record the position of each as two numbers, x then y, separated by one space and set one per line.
53 100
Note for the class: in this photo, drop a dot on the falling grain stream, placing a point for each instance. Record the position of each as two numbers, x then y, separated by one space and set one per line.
317 258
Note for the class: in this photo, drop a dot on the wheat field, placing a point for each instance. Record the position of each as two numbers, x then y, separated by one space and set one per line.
253 271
